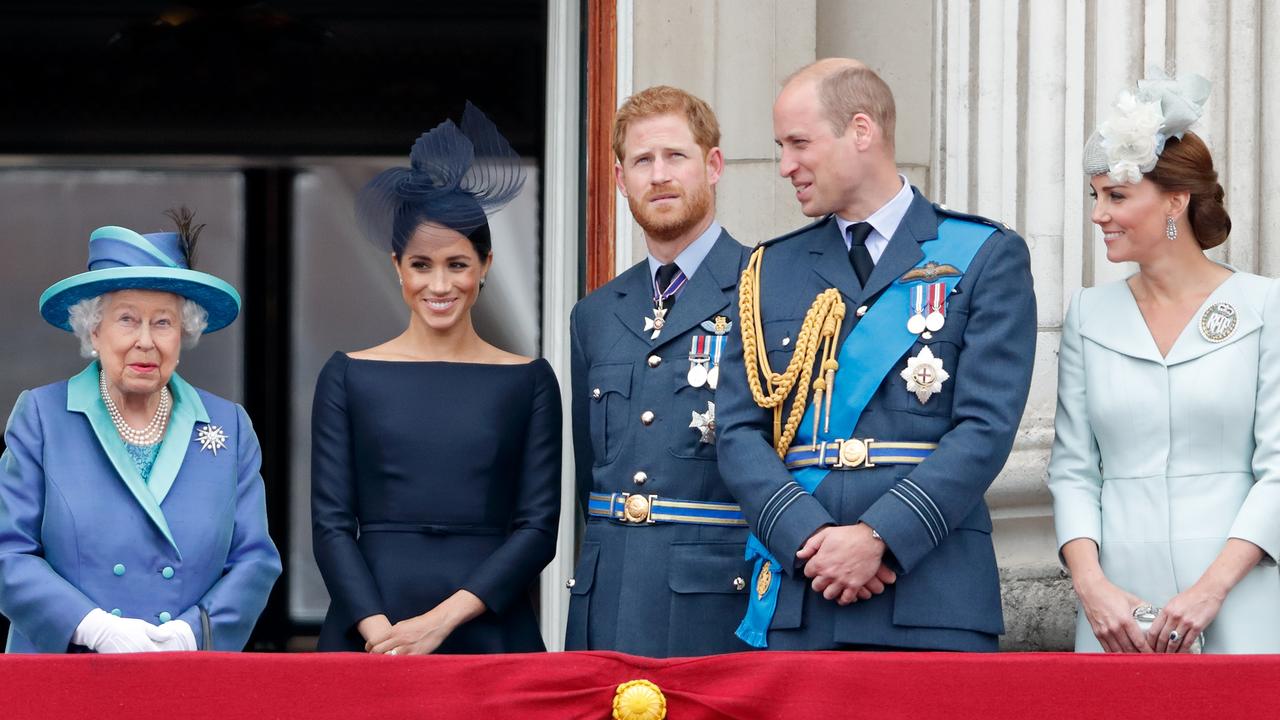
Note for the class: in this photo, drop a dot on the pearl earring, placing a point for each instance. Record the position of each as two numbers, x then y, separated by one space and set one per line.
93 353
1170 229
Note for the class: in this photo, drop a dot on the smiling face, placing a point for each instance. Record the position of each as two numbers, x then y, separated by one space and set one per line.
825 169
667 179
138 340
1133 217
440 276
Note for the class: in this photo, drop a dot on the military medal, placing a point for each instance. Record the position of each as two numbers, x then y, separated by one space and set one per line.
212 438
655 324
699 357
717 347
916 324
705 423
924 375
937 307
1218 322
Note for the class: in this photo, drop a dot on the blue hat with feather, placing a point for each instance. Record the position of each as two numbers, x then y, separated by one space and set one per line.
121 259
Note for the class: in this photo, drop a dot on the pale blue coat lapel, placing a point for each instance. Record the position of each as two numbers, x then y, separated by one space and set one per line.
83 397
1123 329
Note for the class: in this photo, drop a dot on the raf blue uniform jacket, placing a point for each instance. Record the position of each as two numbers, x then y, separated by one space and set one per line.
663 589
79 529
932 516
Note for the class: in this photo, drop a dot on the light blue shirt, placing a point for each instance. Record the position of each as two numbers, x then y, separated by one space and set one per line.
884 222
691 257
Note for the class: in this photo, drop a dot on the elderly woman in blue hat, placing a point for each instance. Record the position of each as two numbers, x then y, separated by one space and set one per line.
132 514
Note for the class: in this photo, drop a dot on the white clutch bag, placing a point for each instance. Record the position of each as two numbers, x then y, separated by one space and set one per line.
1146 614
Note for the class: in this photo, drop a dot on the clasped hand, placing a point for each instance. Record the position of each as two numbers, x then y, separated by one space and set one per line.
846 563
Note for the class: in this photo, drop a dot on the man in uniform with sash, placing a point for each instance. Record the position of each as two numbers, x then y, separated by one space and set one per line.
874 391
661 571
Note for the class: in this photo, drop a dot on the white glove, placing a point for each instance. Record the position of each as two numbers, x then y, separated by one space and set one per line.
173 636
105 633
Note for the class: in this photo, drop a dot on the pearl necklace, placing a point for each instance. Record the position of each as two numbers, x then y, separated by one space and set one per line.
149 435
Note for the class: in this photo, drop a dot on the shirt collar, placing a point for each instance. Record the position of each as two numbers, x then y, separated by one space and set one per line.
691 257
887 219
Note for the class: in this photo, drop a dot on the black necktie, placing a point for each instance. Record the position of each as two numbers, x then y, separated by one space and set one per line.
859 255
665 276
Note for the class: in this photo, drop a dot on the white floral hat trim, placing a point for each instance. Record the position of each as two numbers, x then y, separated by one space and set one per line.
1129 143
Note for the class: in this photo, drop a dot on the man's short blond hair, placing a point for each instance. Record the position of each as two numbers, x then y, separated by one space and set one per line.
846 88
667 100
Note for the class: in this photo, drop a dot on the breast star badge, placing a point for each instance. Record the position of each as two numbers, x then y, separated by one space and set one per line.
211 438
705 423
924 375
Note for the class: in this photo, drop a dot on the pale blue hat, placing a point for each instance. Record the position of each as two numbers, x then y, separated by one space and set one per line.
121 259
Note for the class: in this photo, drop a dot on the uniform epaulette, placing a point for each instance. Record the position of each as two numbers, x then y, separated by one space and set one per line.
797 231
944 210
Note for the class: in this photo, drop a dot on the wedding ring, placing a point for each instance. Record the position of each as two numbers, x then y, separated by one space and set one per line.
1174 637
392 651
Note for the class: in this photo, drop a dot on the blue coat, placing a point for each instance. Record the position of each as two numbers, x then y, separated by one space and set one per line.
80 529
662 589
936 525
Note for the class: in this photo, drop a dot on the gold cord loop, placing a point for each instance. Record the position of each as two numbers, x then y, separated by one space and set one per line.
819 331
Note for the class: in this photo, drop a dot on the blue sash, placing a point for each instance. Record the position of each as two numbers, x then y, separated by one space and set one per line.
866 357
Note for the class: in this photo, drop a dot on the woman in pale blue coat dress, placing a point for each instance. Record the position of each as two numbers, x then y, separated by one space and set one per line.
1166 464
132 514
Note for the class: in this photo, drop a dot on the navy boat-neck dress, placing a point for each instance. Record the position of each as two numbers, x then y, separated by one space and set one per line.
428 478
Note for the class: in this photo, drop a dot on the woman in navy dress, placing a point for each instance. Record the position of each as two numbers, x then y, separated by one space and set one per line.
435 462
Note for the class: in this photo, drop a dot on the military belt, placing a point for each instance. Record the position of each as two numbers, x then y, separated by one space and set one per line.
641 509
858 454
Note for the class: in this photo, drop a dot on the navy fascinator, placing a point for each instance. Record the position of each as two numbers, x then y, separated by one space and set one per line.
456 177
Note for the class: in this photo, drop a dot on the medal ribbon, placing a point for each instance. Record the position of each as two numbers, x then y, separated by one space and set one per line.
677 283
938 298
917 301
871 350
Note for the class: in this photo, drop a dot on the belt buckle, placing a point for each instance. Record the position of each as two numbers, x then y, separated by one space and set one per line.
637 509
851 454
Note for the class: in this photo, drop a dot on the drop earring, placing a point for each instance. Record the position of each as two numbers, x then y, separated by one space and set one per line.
481 283
1170 229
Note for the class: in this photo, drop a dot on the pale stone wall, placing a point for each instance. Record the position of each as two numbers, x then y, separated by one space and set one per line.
995 101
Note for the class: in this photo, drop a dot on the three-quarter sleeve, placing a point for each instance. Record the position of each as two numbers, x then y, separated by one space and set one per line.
511 569
1075 467
334 521
1258 520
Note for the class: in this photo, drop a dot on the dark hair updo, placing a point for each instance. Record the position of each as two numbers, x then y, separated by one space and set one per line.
1186 166
408 218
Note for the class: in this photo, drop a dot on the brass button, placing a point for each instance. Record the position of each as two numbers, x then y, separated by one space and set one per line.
640 477
862 310
654 361
786 341
570 583
595 393
739 583
646 417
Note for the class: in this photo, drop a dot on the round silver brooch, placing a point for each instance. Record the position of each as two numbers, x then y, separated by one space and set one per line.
1218 322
